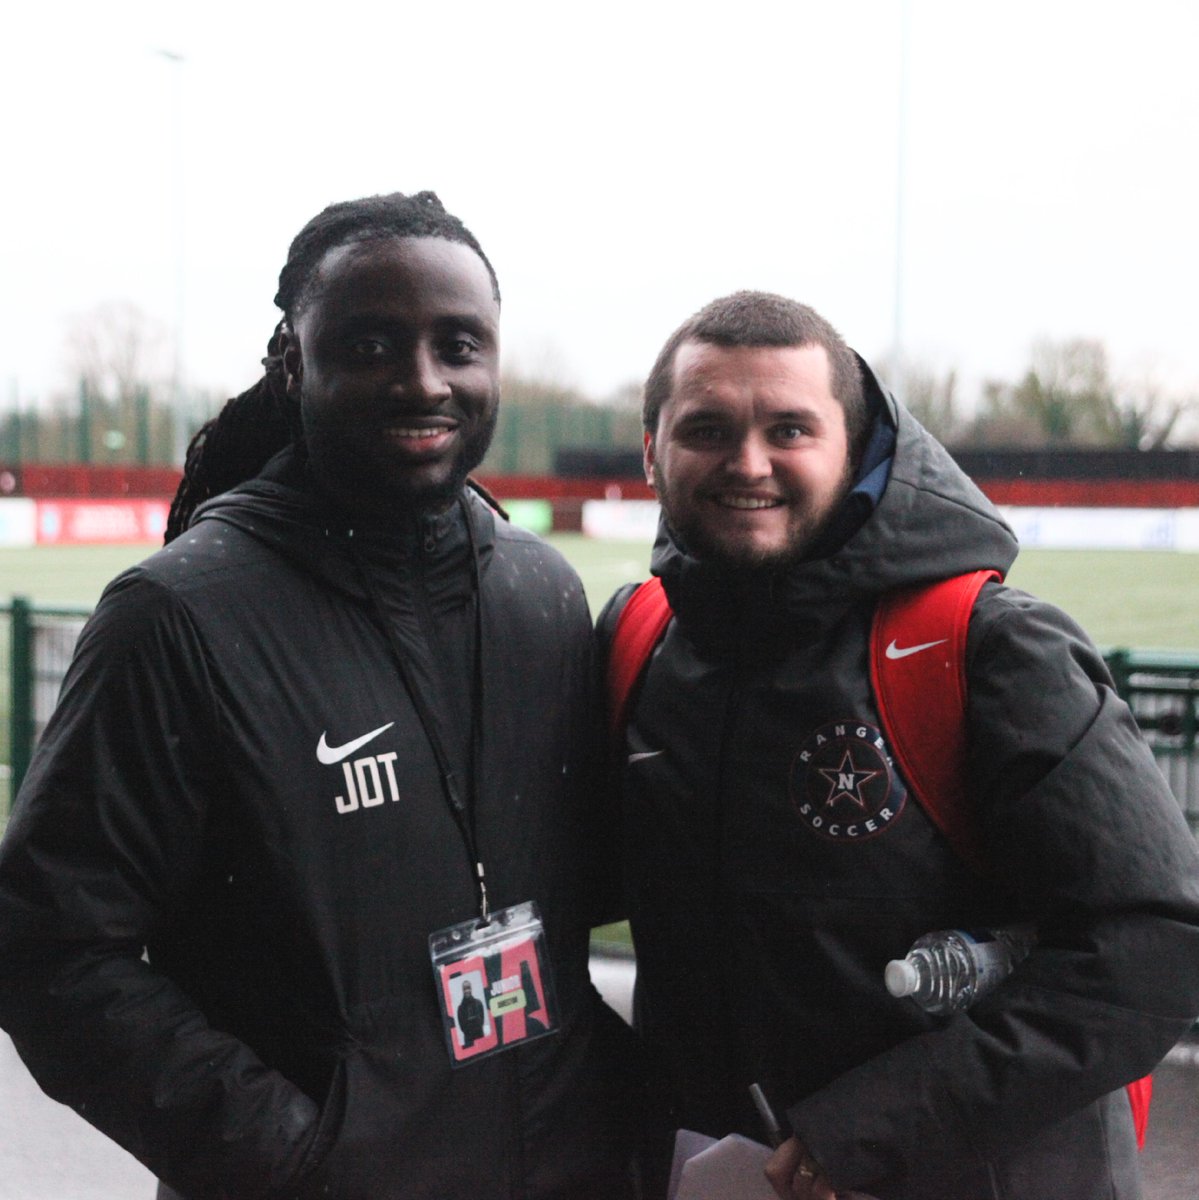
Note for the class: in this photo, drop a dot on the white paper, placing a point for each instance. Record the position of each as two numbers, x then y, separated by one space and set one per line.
729 1169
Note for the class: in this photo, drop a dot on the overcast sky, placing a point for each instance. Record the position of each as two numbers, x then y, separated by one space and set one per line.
622 163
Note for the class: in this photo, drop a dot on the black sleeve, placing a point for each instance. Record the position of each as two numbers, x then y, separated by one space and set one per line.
1081 825
105 840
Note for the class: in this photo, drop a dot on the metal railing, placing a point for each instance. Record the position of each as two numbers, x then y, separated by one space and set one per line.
40 644
1162 689
1163 692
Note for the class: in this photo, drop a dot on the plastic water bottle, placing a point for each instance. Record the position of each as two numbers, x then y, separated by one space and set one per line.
949 969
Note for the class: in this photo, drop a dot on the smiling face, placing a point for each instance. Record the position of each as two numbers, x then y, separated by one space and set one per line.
750 457
394 356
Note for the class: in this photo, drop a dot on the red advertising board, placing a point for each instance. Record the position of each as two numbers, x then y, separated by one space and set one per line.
88 522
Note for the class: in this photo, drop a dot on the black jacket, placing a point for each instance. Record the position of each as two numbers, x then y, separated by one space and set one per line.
282 1036
762 931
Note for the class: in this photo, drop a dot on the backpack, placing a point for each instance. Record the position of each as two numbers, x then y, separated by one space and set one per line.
921 702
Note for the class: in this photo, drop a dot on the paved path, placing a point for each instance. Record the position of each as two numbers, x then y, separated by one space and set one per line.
1170 1163
49 1153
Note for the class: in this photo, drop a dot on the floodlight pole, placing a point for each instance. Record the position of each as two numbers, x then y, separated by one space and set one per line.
901 151
179 426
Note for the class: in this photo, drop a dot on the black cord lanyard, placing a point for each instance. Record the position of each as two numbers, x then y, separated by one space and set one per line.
462 809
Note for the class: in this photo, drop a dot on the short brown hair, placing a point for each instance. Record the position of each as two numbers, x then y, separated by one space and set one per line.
762 319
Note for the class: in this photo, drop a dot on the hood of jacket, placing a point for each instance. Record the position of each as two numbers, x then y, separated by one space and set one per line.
930 522
281 508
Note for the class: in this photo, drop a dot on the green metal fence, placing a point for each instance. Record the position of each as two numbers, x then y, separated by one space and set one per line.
1162 690
39 645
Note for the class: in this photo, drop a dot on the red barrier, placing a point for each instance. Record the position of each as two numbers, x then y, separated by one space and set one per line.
542 487
46 480
1092 493
52 481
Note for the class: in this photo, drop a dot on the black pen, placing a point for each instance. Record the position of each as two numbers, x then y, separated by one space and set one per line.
774 1132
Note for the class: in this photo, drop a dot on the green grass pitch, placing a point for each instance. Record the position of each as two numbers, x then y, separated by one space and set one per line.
1143 600
1139 599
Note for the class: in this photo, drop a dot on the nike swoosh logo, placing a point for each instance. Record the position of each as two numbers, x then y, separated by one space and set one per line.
334 754
893 651
636 758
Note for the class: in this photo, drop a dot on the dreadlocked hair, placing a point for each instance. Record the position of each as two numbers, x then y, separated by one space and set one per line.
254 426
237 443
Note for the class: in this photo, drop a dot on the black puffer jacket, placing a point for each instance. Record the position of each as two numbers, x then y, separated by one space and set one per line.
283 1037
762 933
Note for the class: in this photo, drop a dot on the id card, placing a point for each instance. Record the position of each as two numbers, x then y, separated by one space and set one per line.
494 983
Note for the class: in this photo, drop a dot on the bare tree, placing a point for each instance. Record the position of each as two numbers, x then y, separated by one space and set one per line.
1064 398
626 397
117 350
1067 397
931 398
1145 412
933 401
1067 390
538 391
118 358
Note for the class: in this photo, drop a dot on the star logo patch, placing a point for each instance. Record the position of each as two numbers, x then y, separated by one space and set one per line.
843 784
846 782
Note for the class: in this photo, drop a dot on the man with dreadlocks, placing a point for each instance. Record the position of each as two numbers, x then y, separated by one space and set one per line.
317 773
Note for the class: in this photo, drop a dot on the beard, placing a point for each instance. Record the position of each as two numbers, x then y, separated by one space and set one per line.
364 473
437 495
704 539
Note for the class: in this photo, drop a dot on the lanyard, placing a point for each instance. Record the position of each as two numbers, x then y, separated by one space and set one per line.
461 809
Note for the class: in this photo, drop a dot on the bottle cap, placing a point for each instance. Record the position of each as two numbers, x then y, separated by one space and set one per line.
901 977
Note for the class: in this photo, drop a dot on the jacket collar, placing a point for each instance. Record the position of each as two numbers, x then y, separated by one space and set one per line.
283 508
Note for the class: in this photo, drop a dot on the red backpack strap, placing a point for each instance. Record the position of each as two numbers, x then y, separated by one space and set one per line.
639 628
1140 1092
918 672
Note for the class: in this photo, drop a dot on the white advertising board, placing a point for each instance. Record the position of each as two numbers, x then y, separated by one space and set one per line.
18 522
1048 528
621 520
1105 528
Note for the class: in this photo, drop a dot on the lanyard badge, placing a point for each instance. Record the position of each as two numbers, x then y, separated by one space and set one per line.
494 983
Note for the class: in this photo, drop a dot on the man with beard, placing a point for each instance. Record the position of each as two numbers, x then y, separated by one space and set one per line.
316 760
775 857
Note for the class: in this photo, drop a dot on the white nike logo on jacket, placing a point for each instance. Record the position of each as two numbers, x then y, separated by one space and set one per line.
334 754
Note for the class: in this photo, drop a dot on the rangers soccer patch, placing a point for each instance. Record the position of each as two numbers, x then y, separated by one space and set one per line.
843 783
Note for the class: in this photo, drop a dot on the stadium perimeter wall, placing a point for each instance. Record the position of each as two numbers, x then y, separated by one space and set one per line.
68 521
1063 499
